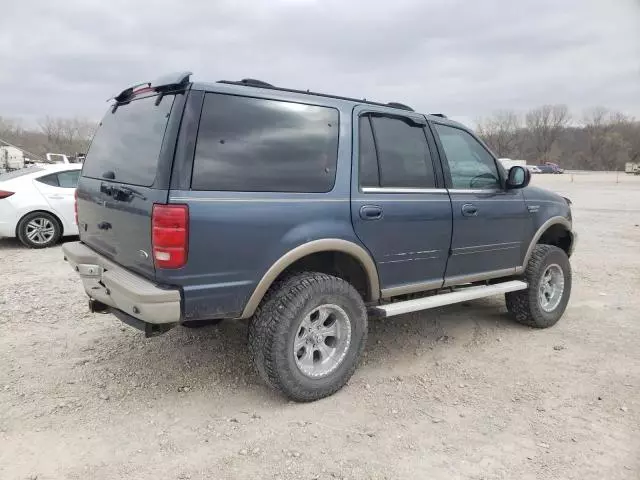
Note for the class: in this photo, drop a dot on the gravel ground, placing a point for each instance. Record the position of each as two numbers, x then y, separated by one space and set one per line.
457 392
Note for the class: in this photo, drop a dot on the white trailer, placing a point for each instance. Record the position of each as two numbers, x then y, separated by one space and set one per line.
11 158
632 168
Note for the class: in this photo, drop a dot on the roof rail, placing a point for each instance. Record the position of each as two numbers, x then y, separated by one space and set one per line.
402 106
441 115
250 82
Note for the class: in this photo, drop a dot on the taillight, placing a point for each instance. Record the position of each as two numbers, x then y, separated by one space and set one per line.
5 194
170 235
75 206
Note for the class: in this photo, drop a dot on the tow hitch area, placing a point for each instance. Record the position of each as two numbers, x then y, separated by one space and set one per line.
97 307
149 329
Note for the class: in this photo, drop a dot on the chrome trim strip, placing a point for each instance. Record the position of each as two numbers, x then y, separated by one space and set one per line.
478 277
475 191
256 200
487 245
410 288
402 190
454 254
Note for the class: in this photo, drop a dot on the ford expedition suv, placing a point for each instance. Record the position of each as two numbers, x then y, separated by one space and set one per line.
306 213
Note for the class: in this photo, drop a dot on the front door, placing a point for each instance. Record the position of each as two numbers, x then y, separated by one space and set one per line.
489 222
399 207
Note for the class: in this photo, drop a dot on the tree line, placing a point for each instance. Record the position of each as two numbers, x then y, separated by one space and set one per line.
598 139
51 135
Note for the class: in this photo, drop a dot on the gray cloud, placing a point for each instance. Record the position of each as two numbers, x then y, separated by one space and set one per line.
460 57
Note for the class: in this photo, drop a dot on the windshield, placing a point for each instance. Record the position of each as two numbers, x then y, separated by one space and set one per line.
18 173
128 141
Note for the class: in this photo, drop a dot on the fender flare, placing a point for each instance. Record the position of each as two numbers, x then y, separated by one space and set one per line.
315 246
543 228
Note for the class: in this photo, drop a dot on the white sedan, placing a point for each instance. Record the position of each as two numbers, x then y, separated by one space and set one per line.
37 204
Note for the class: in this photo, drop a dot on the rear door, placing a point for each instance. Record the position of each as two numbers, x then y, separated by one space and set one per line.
399 207
489 222
125 172
58 189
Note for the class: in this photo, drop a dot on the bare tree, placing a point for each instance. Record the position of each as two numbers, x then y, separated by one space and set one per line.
67 135
545 124
500 132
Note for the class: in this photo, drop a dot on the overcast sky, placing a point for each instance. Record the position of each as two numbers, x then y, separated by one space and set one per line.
463 58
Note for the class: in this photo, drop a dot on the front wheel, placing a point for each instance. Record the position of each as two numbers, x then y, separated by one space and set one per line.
544 301
308 334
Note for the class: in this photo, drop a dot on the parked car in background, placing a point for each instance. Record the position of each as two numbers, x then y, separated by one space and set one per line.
554 166
37 204
534 168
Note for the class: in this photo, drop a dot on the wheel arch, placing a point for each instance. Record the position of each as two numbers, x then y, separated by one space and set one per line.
555 231
313 251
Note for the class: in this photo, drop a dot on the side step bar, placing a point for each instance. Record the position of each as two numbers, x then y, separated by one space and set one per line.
462 295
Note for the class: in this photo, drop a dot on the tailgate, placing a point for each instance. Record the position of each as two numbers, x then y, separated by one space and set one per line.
120 180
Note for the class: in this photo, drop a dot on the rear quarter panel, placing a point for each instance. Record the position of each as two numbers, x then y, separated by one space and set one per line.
235 237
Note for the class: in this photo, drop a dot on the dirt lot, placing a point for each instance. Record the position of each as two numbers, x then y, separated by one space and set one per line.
458 392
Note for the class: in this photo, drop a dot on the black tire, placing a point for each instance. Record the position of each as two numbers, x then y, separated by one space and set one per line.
201 323
274 326
525 305
45 217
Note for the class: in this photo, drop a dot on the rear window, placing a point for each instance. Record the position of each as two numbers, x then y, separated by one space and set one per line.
18 173
252 144
128 141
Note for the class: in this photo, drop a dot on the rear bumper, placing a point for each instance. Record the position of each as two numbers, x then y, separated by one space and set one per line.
113 285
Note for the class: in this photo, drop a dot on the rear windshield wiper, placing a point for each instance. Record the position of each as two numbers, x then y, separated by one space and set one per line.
119 192
127 192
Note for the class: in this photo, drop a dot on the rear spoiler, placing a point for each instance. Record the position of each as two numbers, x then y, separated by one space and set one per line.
163 84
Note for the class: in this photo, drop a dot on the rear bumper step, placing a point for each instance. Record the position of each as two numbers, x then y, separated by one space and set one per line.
112 286
463 295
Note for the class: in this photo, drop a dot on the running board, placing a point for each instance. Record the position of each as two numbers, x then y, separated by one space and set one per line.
462 295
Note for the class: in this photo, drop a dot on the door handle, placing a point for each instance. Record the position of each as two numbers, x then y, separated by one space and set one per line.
56 197
371 212
469 210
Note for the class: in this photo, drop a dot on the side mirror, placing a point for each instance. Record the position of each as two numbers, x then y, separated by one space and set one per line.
519 177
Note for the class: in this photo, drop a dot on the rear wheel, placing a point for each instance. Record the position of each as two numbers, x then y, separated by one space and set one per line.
308 334
544 301
39 230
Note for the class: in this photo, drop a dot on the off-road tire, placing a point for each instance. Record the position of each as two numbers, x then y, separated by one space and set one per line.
524 305
21 230
275 323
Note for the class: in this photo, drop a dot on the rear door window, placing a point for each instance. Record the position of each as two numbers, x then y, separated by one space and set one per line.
68 179
369 175
403 153
253 144
49 180
128 141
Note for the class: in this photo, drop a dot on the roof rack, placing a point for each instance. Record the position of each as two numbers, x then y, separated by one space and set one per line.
401 106
441 115
252 82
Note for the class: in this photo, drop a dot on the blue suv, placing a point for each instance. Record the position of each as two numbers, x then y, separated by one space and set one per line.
306 213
